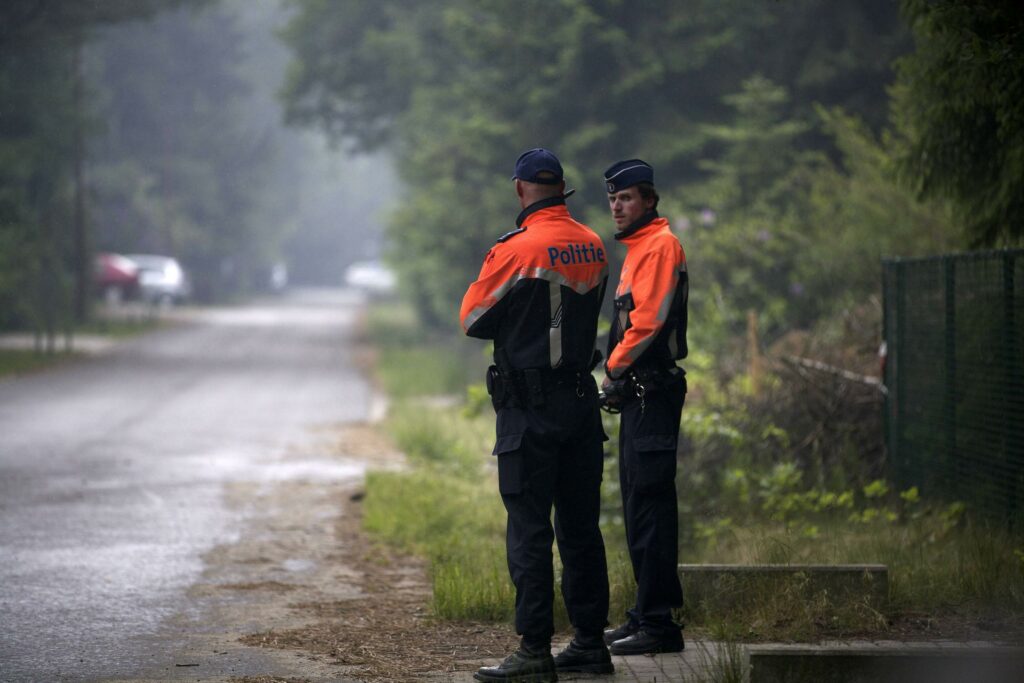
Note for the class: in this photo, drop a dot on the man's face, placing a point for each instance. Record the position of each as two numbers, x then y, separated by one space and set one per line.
627 206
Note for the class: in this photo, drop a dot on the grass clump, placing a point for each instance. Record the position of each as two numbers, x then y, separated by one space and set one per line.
723 662
14 362
441 438
458 524
421 372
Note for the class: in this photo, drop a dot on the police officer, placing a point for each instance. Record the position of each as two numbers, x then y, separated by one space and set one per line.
538 297
648 335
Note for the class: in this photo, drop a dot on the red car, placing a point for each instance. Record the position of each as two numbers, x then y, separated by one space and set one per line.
115 277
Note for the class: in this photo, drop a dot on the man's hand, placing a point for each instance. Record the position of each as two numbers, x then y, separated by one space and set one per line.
612 393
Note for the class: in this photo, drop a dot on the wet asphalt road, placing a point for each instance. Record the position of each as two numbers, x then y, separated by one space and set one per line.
113 471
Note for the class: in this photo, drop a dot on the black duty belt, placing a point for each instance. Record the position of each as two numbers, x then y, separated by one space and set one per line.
653 373
530 387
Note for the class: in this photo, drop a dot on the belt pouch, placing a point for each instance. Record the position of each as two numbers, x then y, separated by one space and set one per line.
534 388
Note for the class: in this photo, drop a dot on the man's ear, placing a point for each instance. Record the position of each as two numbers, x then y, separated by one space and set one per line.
519 188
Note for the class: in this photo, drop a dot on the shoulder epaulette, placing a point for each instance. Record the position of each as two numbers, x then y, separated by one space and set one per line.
509 235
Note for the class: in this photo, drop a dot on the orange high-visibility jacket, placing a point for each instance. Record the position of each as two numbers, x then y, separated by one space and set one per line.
649 327
539 292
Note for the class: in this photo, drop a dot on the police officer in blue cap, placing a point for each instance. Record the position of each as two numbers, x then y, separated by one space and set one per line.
644 383
538 297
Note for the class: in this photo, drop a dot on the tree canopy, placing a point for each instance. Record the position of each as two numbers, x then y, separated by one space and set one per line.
960 102
719 95
42 138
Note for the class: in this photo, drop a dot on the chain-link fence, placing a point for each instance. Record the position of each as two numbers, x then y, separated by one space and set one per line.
954 334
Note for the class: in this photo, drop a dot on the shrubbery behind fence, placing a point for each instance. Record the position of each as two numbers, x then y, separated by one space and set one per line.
954 333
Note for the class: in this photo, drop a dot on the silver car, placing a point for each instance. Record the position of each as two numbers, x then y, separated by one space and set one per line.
162 280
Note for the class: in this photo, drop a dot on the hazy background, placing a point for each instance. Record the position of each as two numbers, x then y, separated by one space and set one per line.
795 143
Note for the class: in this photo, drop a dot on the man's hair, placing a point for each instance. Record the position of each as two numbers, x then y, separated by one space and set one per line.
647 191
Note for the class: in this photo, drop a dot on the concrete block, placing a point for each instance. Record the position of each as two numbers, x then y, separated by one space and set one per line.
867 662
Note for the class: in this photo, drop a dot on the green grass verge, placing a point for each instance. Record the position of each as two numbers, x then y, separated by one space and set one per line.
455 522
120 328
961 571
412 363
415 371
14 362
447 509
453 516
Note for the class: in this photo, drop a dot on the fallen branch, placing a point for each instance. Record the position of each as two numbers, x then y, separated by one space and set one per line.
838 372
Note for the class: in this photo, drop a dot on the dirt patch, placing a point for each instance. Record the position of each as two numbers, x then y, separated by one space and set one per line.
381 628
388 635
366 443
276 586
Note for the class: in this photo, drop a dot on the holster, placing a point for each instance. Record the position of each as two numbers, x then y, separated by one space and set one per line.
497 387
529 388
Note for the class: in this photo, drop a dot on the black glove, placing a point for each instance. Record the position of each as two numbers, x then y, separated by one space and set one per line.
612 395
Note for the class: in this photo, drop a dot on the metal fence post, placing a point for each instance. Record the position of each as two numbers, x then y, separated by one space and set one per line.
1014 383
949 407
897 357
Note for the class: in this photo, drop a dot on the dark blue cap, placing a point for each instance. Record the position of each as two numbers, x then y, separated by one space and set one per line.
628 173
538 166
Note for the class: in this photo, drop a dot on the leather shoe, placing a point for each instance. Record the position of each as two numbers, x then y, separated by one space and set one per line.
521 667
644 643
591 660
624 631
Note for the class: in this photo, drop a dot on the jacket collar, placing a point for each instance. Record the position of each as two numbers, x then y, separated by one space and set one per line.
557 200
644 220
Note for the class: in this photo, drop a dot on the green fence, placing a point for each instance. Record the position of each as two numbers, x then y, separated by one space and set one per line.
954 334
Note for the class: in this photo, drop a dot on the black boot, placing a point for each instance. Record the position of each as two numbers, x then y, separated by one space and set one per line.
592 660
645 642
522 666
624 631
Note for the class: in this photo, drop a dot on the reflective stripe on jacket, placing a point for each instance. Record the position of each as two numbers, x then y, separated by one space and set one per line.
539 292
650 301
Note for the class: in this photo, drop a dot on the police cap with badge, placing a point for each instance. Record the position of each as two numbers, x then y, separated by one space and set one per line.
628 173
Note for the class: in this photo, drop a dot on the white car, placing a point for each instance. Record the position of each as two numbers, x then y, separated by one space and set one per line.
372 277
162 280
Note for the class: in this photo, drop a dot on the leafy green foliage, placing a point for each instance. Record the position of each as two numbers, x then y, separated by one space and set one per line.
459 90
797 235
35 147
40 47
27 21
959 101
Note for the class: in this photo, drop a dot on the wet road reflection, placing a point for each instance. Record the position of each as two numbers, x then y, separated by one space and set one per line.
113 471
